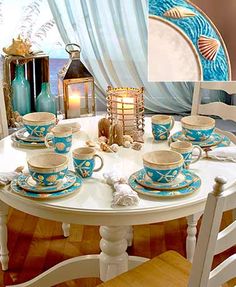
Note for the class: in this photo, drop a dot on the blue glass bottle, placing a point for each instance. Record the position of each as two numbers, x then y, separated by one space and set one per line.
45 101
21 99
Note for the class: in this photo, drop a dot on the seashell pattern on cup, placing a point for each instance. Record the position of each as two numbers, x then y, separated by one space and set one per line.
48 178
84 167
39 131
62 145
197 135
208 47
163 176
179 12
161 131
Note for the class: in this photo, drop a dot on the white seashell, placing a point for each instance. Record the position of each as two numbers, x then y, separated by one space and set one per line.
90 143
105 147
114 147
179 12
208 47
127 138
126 144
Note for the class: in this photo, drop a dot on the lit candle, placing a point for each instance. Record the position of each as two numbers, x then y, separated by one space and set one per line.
126 112
74 105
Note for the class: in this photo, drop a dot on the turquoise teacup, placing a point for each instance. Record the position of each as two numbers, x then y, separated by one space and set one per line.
161 126
197 128
39 124
186 149
48 168
60 138
84 161
163 165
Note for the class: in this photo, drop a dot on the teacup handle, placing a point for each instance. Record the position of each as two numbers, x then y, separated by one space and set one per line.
48 140
101 165
172 123
199 155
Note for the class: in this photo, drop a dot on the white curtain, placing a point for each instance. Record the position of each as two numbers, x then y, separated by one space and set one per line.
113 38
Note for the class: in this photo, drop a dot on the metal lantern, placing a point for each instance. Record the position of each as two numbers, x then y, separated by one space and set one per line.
126 106
75 87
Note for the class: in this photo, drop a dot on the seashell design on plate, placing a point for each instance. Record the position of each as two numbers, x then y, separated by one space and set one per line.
179 12
208 47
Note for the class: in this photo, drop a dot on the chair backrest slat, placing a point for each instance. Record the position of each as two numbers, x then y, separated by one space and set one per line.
226 112
229 87
223 272
226 238
220 109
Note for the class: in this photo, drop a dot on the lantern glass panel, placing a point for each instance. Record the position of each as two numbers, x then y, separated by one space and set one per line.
79 99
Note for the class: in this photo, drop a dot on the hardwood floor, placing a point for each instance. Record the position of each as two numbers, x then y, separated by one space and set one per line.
36 244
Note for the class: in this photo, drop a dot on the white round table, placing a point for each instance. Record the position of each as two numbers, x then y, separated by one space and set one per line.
91 205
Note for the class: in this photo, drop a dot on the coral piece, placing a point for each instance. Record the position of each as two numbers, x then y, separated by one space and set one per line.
126 144
105 147
19 47
114 147
208 47
136 146
179 12
104 128
116 134
138 136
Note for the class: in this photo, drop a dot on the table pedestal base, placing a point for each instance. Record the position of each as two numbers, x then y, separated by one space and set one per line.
86 266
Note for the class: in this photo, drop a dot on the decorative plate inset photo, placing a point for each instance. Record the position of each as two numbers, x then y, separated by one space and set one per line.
184 44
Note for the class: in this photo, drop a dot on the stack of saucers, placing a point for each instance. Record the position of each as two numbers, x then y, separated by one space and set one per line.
48 177
23 138
163 176
36 126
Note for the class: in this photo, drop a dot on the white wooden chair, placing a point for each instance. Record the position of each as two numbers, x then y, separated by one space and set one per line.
224 111
172 270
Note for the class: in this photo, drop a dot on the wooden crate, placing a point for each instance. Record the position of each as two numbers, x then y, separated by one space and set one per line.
36 72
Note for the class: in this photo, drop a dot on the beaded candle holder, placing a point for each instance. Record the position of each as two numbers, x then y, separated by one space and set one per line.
126 106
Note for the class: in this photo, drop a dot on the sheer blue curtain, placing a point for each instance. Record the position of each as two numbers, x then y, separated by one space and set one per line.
113 38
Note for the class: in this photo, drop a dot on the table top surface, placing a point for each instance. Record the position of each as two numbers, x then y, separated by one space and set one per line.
94 198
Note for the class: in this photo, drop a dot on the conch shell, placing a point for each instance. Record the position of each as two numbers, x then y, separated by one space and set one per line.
208 47
19 47
179 12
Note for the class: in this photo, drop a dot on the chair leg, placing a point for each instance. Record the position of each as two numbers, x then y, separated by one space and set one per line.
192 221
66 229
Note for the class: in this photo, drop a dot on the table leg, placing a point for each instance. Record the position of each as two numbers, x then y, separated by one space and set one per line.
66 229
191 235
113 258
4 258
